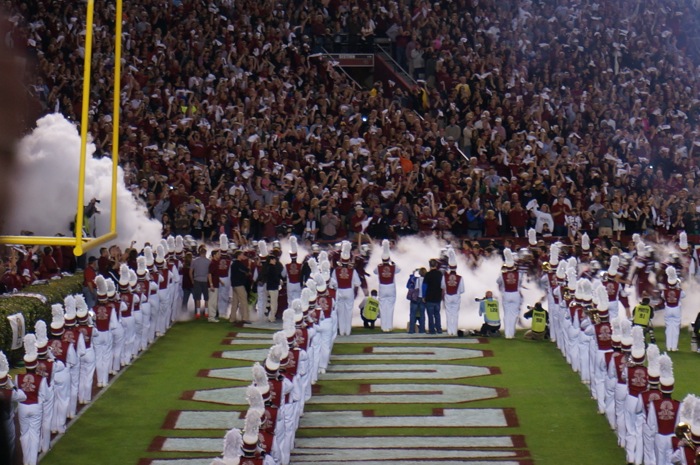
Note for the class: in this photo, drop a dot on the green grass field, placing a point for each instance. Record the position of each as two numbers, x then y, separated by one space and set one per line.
555 412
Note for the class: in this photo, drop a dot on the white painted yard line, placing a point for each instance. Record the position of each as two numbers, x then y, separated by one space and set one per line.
412 353
259 338
390 442
339 455
200 461
308 445
420 353
452 418
342 372
416 461
377 394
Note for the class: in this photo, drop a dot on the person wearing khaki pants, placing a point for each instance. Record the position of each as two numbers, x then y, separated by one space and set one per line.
240 277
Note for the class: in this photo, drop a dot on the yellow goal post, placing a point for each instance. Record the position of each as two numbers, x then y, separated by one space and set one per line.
80 243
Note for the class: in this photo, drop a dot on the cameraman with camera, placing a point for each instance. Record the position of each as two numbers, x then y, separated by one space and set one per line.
540 323
488 308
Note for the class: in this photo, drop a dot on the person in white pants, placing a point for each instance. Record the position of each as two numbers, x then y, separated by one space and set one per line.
87 360
637 381
47 368
293 269
348 280
153 296
672 296
453 288
105 321
223 298
118 335
509 285
143 290
73 335
12 396
261 285
664 415
128 299
63 353
386 271
36 391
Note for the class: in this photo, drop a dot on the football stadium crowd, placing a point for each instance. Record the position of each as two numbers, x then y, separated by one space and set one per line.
566 117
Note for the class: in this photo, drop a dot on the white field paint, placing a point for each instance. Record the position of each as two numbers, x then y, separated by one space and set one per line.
307 445
389 338
378 394
341 372
207 461
451 418
420 353
360 455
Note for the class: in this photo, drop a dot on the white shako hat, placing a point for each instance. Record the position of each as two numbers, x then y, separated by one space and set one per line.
251 428
148 253
69 305
653 365
614 265
288 325
260 378
578 294
58 321
171 244
385 250
322 256
160 256
254 398
508 258
616 331
554 254
141 266
636 238
30 351
311 286
4 370
123 276
293 247
586 290
101 286
326 270
262 249
233 441
532 236
81 308
345 250
671 276
683 241
638 351
695 422
280 339
42 338
626 331
666 369
133 279
305 300
297 306
685 413
166 248
585 242
179 244
571 279
603 303
451 258
111 290
313 266
561 270
223 242
272 362
320 283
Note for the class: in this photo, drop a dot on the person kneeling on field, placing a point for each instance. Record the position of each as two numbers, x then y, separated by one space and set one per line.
540 323
488 308
369 310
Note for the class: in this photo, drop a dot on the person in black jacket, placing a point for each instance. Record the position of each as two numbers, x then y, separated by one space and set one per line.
432 282
273 273
240 285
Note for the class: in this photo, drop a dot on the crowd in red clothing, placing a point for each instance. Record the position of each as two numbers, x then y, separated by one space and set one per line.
567 117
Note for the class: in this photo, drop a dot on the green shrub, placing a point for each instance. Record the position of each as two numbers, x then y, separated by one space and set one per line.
33 309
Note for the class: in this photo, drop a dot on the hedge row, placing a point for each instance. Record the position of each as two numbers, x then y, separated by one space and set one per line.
33 309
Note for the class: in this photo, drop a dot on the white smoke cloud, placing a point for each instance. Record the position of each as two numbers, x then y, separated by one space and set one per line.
46 188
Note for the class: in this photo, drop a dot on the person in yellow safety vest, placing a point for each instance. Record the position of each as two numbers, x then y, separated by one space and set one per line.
488 308
540 323
369 310
642 315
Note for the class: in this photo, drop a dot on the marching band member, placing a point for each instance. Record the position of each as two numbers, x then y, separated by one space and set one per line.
509 285
637 378
88 359
348 280
453 287
671 296
72 335
35 388
293 272
387 271
663 415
